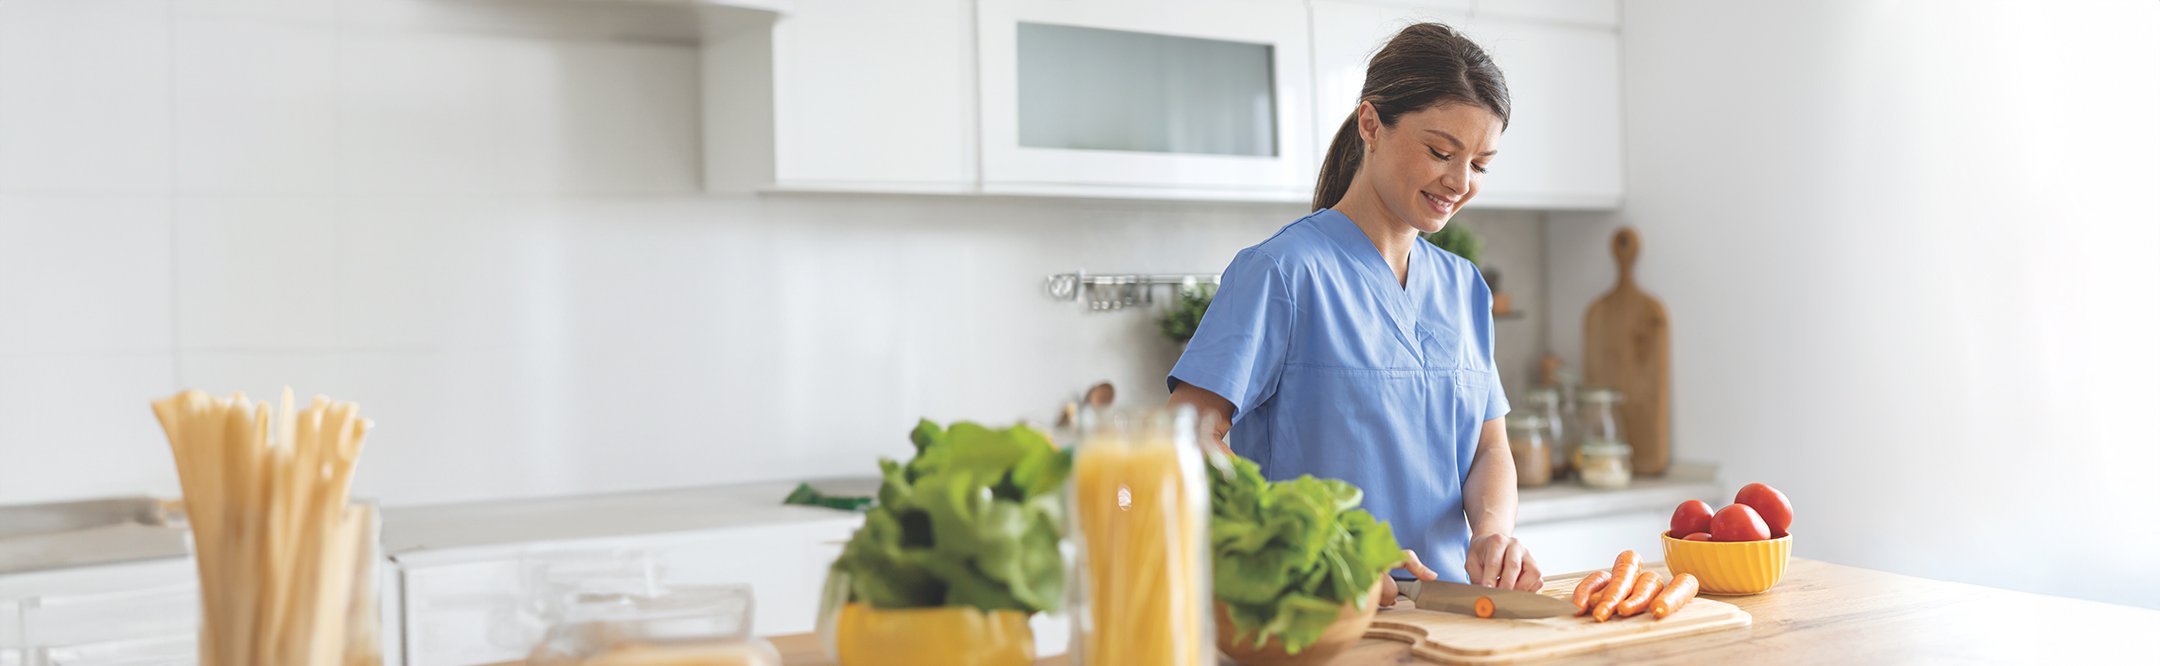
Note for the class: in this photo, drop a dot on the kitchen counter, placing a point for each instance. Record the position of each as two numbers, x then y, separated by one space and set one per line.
1568 500
1824 613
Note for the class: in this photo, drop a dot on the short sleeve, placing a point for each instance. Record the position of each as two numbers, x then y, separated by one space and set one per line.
1239 349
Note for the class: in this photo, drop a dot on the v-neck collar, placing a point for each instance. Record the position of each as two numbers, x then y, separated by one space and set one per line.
1399 300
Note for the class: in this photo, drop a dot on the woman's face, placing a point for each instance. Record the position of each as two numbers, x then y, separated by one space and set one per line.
1430 163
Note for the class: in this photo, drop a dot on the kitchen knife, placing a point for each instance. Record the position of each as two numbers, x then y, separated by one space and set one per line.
1440 595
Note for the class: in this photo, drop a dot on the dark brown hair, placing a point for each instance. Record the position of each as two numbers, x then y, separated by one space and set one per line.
1425 65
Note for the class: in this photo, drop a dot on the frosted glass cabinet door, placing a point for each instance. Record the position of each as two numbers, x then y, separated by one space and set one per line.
1095 89
1188 95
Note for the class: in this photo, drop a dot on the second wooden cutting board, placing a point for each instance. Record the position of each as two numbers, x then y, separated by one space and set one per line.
1627 346
1448 638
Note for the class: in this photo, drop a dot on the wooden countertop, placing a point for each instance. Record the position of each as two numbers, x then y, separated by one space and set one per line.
1824 613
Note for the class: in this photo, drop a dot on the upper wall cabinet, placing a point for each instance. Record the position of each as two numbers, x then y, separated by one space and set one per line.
841 96
1561 59
1197 99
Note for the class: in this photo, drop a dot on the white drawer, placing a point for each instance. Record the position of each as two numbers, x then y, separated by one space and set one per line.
1591 543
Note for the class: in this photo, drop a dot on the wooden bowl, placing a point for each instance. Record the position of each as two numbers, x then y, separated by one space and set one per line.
1349 626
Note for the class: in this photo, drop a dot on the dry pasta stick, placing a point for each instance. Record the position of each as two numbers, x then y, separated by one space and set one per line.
277 541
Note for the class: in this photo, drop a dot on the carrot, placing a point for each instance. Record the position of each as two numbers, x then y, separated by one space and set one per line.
1675 595
1588 588
1646 586
1624 569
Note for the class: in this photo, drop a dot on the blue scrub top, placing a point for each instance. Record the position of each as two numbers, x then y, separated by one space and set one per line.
1337 371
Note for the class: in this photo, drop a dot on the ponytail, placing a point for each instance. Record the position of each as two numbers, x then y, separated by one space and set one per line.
1341 162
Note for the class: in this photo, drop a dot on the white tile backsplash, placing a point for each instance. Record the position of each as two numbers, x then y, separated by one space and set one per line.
301 11
85 275
446 273
256 273
75 425
501 115
85 96
254 107
482 221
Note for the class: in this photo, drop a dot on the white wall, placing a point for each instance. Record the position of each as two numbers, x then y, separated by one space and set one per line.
481 221
1910 254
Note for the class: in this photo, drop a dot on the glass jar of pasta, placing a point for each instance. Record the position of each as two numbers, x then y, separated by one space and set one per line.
1139 530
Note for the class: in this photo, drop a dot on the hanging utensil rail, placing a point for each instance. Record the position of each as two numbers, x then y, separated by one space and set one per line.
1119 291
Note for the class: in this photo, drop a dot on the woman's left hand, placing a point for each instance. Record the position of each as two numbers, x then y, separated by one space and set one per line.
1498 560
1389 590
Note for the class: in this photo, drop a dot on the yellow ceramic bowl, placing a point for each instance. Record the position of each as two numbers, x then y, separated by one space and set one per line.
949 635
1730 567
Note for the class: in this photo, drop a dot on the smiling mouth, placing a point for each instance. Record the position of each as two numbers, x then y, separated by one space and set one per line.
1438 205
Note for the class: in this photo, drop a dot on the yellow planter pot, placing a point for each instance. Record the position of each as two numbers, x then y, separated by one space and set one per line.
952 635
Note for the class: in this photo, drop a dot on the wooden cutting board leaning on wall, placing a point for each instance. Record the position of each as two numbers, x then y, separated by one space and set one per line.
1627 345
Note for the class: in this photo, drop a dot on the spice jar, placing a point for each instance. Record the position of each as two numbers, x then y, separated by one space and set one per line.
1605 463
1532 452
1545 402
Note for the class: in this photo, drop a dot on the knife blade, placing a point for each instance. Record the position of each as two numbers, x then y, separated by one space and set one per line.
1449 597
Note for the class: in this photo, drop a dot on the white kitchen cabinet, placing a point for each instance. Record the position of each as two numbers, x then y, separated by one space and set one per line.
1591 543
1597 13
1196 99
1205 99
841 96
1562 146
1571 528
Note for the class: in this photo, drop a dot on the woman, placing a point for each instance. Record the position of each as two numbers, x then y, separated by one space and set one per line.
1345 346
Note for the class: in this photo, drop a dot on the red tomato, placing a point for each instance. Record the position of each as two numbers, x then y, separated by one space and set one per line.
1738 522
1698 536
1776 511
1690 517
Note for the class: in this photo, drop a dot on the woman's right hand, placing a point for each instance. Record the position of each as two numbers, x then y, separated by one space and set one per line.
1389 591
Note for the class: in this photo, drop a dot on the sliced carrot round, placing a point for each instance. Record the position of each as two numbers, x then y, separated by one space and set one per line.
1484 607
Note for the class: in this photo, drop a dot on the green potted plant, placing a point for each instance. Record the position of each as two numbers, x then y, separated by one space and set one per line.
1183 318
1459 240
959 551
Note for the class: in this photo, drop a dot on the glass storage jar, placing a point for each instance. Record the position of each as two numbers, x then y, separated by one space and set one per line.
1605 464
678 626
1532 452
1139 501
1545 402
1597 419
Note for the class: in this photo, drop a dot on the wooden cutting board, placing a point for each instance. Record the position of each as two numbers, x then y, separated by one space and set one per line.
1449 638
1627 346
